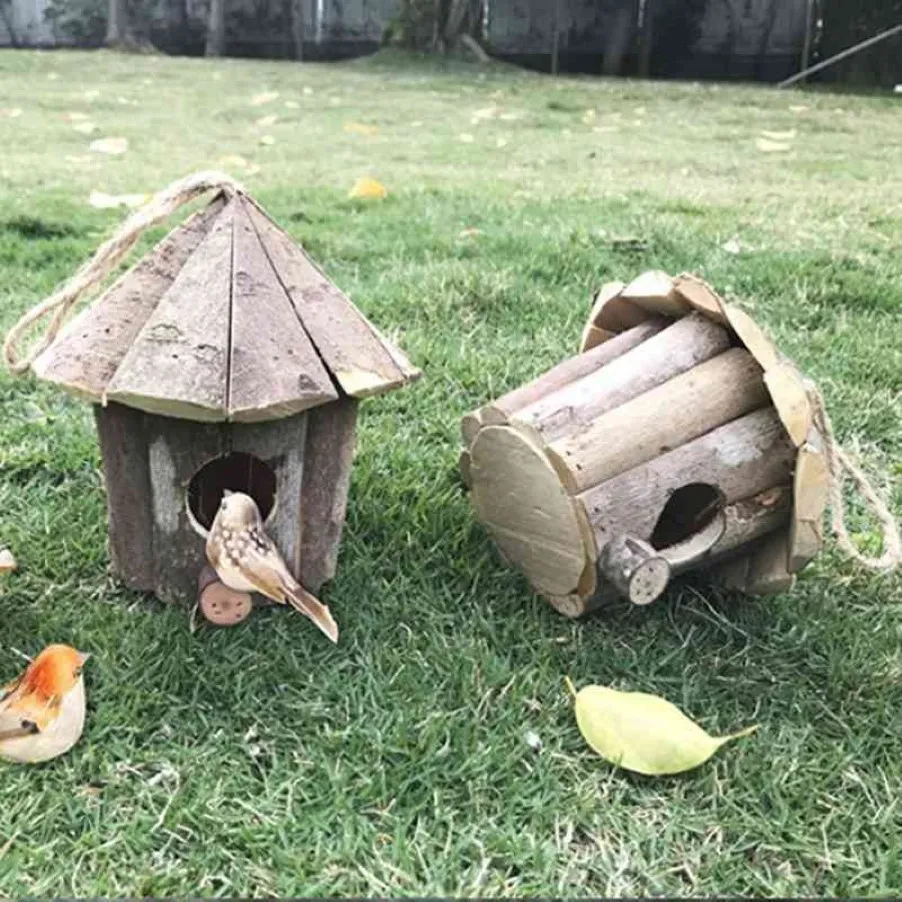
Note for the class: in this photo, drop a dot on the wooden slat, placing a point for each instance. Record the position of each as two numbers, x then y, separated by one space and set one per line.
328 458
178 365
811 492
274 369
85 356
355 354
654 291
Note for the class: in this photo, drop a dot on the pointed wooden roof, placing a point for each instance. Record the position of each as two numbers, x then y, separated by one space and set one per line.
225 319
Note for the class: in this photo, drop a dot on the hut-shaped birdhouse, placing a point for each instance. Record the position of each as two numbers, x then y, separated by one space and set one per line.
677 439
224 359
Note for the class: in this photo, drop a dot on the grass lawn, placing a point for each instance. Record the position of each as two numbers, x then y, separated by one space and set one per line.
261 760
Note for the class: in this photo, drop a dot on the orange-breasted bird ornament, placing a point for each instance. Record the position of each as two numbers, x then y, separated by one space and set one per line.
42 713
246 559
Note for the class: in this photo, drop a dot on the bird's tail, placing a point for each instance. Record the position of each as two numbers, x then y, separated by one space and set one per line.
301 600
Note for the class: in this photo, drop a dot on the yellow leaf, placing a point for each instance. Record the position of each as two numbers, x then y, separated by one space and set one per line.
643 733
103 201
264 97
368 188
359 128
112 146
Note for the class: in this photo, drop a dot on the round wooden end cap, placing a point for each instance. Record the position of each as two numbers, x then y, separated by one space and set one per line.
224 606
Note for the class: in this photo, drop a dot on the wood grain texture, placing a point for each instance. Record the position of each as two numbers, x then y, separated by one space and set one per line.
678 348
787 390
86 355
740 459
701 297
353 351
126 469
280 444
329 458
811 489
177 449
634 569
520 499
499 412
686 407
274 369
178 365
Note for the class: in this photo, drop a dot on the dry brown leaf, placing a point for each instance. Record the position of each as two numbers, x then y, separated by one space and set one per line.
7 561
361 128
264 97
368 189
113 146
103 201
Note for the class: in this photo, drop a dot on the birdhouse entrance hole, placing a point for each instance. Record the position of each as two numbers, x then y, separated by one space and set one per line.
691 521
235 472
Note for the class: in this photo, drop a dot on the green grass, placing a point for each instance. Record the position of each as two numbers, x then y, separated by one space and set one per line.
261 760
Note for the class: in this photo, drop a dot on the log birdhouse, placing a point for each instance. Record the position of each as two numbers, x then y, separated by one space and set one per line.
677 439
224 359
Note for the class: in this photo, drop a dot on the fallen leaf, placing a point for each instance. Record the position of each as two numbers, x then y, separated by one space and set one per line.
103 201
266 121
417 123
85 128
588 117
639 111
114 146
53 76
7 561
267 140
510 117
292 105
466 138
767 146
780 136
75 117
501 142
469 233
308 91
643 733
800 108
10 112
264 97
732 246
369 189
489 112
126 102
360 128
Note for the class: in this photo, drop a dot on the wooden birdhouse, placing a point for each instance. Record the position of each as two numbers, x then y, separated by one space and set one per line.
677 439
224 359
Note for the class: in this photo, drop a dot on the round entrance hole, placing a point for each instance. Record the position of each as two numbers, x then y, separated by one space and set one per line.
235 472
690 510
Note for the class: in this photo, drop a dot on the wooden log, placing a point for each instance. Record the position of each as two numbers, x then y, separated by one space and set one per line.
744 521
329 454
740 459
170 369
126 469
520 499
274 371
218 603
356 354
499 412
811 488
281 446
635 569
88 352
678 348
666 417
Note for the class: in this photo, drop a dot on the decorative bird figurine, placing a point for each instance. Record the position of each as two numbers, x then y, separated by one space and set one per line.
42 714
245 559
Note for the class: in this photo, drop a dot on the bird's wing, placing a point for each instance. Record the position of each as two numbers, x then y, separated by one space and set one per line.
22 714
262 566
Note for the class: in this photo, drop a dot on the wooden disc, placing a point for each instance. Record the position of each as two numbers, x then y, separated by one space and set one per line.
224 606
520 498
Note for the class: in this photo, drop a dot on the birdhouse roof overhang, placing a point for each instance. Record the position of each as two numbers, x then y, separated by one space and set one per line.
226 319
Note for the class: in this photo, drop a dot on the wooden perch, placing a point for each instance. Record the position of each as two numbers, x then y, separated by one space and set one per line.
218 603
666 417
499 412
676 349
635 569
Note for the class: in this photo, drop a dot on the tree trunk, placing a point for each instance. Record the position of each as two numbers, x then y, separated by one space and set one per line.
8 24
297 28
215 29
116 23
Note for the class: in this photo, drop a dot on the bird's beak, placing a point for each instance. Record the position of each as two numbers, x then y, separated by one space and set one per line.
227 492
83 656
